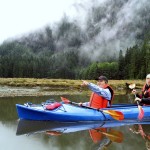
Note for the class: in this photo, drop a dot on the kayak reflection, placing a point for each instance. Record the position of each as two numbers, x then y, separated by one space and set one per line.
31 126
102 133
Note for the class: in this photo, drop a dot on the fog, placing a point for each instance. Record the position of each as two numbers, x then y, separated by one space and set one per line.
117 24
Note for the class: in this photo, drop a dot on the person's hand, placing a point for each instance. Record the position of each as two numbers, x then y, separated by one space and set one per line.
134 91
84 83
137 99
80 104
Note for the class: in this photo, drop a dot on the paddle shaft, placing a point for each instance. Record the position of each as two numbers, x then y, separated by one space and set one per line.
137 101
113 135
85 106
113 113
141 111
115 138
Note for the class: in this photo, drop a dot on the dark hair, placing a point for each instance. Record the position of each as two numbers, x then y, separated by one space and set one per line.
103 78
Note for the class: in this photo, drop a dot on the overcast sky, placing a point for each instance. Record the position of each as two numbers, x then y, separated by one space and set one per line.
22 16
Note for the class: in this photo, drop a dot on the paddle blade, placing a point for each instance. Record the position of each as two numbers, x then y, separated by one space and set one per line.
115 114
132 86
114 135
65 100
141 112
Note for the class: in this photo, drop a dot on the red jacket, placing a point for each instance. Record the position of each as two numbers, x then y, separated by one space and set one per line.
146 91
97 101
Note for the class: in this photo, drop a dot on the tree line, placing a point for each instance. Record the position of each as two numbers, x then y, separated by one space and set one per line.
135 64
17 60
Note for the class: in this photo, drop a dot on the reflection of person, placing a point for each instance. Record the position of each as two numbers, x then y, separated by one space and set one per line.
144 98
99 138
104 144
143 131
102 93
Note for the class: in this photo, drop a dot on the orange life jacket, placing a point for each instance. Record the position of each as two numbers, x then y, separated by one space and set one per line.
146 91
97 101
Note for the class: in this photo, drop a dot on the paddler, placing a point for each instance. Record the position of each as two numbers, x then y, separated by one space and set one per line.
144 98
102 94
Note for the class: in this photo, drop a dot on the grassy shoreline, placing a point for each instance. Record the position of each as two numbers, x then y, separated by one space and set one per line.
62 83
11 87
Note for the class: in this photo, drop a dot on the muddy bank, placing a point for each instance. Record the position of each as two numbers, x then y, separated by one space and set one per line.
11 91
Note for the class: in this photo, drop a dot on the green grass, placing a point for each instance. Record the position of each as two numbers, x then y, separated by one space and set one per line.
32 82
64 85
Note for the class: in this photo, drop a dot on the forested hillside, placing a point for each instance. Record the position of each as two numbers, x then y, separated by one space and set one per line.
114 41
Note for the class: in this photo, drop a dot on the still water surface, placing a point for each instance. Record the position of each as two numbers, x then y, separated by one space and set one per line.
35 135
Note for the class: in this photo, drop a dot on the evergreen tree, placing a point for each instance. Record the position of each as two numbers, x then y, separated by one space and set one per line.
121 66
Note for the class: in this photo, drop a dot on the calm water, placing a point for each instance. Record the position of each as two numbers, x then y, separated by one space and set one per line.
16 135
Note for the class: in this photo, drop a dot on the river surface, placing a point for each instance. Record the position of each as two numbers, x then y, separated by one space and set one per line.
32 135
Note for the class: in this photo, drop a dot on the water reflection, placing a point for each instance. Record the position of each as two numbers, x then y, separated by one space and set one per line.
30 127
143 131
102 134
9 140
115 135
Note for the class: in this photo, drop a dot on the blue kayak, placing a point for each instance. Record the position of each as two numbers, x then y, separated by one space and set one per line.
72 113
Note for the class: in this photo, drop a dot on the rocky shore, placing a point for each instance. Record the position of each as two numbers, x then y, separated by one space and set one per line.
10 91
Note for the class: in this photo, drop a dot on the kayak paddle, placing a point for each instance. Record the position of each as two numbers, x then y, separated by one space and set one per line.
141 111
113 135
113 113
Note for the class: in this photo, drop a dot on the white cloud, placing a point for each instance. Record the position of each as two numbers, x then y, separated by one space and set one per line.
21 16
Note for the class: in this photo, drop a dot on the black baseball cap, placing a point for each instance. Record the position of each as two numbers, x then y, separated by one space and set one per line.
103 78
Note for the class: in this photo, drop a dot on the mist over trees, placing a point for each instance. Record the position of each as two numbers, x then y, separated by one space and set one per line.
115 41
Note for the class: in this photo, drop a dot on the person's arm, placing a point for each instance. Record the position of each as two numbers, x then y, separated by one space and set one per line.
145 101
100 91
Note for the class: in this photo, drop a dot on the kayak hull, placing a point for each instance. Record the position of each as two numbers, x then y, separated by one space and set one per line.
65 113
71 113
